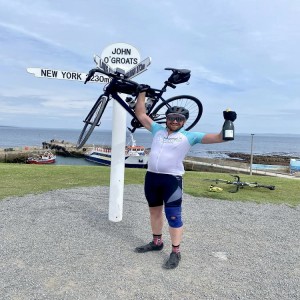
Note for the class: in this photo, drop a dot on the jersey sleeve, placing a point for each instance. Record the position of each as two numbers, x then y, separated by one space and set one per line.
194 137
156 127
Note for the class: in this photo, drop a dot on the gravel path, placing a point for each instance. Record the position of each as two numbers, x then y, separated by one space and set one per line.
60 245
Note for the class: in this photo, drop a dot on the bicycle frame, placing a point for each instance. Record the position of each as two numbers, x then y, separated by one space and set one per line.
122 102
155 94
156 111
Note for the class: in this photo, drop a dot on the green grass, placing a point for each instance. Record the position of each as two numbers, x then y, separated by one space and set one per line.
22 179
286 190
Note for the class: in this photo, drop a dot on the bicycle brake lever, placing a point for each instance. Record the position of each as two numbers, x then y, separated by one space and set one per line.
90 75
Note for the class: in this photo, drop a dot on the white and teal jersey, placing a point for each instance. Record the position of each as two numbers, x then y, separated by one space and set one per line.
168 151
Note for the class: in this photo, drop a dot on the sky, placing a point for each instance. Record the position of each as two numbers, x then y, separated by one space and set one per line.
243 55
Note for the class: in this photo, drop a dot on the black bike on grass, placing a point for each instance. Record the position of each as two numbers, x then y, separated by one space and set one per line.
240 184
156 111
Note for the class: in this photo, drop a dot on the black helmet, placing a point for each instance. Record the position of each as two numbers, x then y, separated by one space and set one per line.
178 110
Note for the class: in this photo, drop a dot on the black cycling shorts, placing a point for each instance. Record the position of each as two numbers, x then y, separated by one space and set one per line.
163 189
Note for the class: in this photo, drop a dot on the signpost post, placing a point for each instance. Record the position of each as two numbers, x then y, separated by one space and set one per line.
251 155
122 56
127 58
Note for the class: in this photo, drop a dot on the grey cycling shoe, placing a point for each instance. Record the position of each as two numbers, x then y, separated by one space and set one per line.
173 261
149 247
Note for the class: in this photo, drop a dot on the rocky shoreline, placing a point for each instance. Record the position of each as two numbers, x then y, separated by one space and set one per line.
261 159
242 160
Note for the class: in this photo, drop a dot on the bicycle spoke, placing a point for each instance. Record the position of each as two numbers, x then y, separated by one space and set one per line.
191 103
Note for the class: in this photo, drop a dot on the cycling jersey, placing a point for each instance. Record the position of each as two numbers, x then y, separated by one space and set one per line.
169 150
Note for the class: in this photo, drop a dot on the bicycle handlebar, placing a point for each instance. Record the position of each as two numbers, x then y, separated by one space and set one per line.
117 76
113 75
92 73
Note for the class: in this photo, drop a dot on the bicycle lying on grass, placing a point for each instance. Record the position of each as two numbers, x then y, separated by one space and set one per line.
240 184
120 83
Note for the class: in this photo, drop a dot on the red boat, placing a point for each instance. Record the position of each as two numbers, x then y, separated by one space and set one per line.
41 159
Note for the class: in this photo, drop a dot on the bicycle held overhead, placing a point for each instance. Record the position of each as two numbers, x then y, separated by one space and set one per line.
156 105
240 184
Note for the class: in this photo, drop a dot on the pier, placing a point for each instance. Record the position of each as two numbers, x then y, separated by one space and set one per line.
20 154
65 148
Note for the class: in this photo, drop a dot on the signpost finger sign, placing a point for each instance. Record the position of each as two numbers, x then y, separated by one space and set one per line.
66 75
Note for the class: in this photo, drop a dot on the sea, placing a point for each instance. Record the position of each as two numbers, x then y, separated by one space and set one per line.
260 144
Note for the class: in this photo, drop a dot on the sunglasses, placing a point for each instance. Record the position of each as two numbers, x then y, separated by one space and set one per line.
176 118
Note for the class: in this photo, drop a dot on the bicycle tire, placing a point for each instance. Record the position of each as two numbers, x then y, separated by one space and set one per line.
191 103
270 187
92 120
257 185
218 181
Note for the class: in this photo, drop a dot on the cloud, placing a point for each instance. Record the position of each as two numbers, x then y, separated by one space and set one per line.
242 54
207 75
49 14
20 31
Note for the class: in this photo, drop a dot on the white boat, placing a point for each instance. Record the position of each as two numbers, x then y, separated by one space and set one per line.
135 156
42 159
294 165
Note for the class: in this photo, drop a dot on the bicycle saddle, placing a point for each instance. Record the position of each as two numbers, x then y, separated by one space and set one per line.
179 75
182 71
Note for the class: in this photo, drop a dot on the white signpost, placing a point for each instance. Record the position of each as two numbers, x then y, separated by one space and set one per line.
138 69
121 55
127 58
66 75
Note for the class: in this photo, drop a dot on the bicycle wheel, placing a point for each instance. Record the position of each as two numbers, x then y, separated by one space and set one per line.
92 120
270 187
191 103
217 181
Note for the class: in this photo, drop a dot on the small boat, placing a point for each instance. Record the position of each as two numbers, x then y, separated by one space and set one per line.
294 165
135 156
41 159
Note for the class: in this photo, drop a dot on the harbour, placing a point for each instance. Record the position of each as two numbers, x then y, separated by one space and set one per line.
68 154
271 152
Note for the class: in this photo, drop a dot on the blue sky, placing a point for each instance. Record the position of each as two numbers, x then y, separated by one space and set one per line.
242 54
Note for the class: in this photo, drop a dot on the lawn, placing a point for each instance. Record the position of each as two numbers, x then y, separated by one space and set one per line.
22 179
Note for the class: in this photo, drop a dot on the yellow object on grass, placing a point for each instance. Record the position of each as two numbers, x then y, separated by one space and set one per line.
215 189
